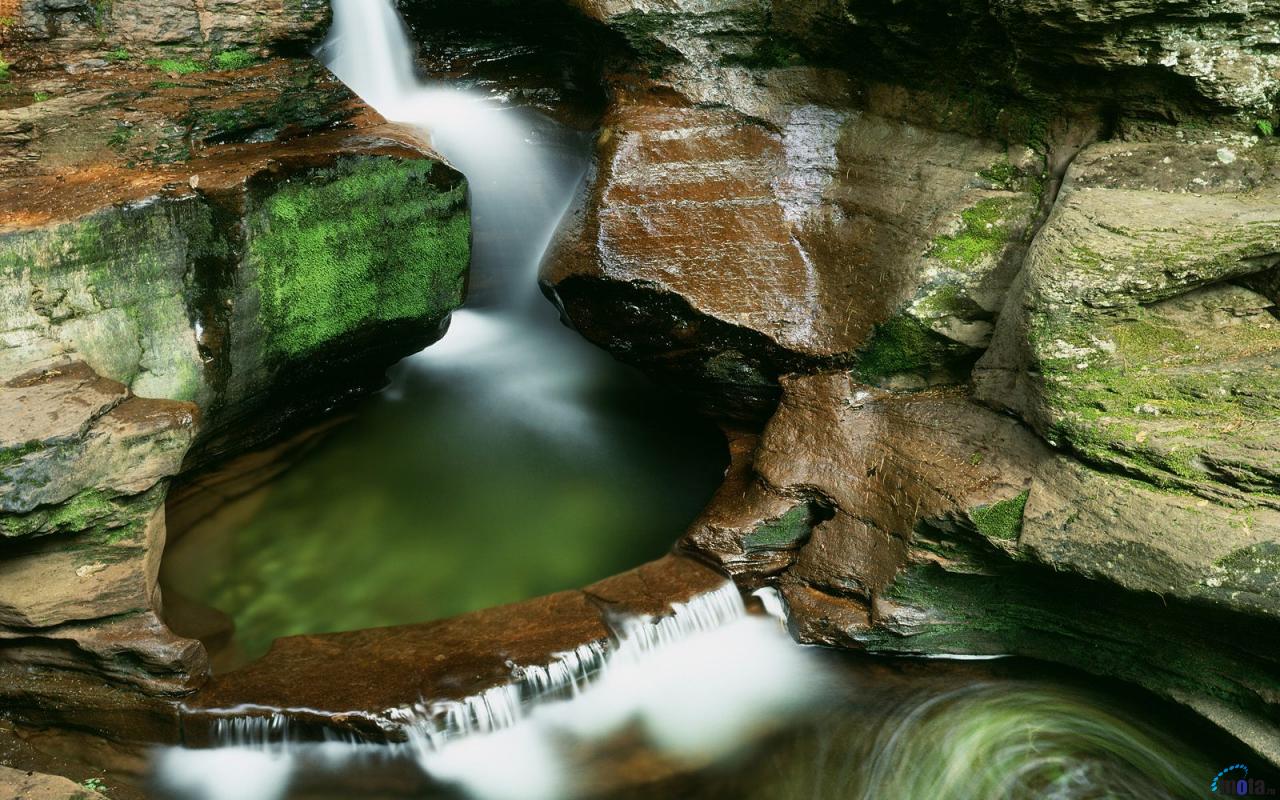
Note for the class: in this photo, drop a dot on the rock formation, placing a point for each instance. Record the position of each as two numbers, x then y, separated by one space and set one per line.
1008 308
200 246
984 292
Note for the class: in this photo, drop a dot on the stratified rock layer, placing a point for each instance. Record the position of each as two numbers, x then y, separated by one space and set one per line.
312 681
184 264
1023 321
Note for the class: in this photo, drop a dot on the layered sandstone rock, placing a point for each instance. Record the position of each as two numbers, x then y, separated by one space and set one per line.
860 203
93 29
310 680
723 252
24 785
85 468
197 262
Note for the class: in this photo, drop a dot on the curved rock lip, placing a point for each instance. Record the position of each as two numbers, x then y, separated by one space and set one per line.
361 682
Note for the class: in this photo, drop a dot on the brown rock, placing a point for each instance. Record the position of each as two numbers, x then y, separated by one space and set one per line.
22 785
311 679
722 252
957 530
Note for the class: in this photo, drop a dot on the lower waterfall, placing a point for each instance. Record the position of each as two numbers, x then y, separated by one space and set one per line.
699 682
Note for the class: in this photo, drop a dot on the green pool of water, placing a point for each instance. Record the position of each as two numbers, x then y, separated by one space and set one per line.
451 492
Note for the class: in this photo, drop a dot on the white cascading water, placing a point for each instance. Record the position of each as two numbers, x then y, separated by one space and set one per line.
506 347
700 682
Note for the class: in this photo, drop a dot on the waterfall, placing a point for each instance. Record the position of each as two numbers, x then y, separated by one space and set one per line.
699 680
521 166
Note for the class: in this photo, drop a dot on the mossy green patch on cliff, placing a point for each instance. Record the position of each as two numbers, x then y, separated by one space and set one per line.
788 530
234 59
905 344
12 455
96 517
984 230
768 52
978 599
310 102
79 513
732 367
177 66
1254 570
1030 611
1167 397
1002 520
368 240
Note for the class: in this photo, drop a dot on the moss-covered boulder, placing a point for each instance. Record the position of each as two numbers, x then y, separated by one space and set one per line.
334 267
1135 341
363 242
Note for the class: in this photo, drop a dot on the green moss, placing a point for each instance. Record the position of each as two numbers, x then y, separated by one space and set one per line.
370 240
234 59
14 454
101 11
1265 128
1002 175
984 231
996 605
769 52
120 137
789 530
40 97
4 70
79 513
1134 389
136 263
307 104
732 367
1254 569
177 66
1002 520
119 54
905 344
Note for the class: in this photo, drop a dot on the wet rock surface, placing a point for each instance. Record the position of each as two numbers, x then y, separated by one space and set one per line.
1019 319
795 215
724 252
82 483
929 524
23 785
313 682
69 29
157 218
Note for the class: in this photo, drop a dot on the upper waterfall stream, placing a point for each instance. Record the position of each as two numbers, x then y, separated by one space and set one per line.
508 460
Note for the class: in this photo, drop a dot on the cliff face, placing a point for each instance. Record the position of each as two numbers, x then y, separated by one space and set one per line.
87 27
1000 280
195 253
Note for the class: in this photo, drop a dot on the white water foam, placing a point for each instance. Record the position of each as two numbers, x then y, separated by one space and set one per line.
699 682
